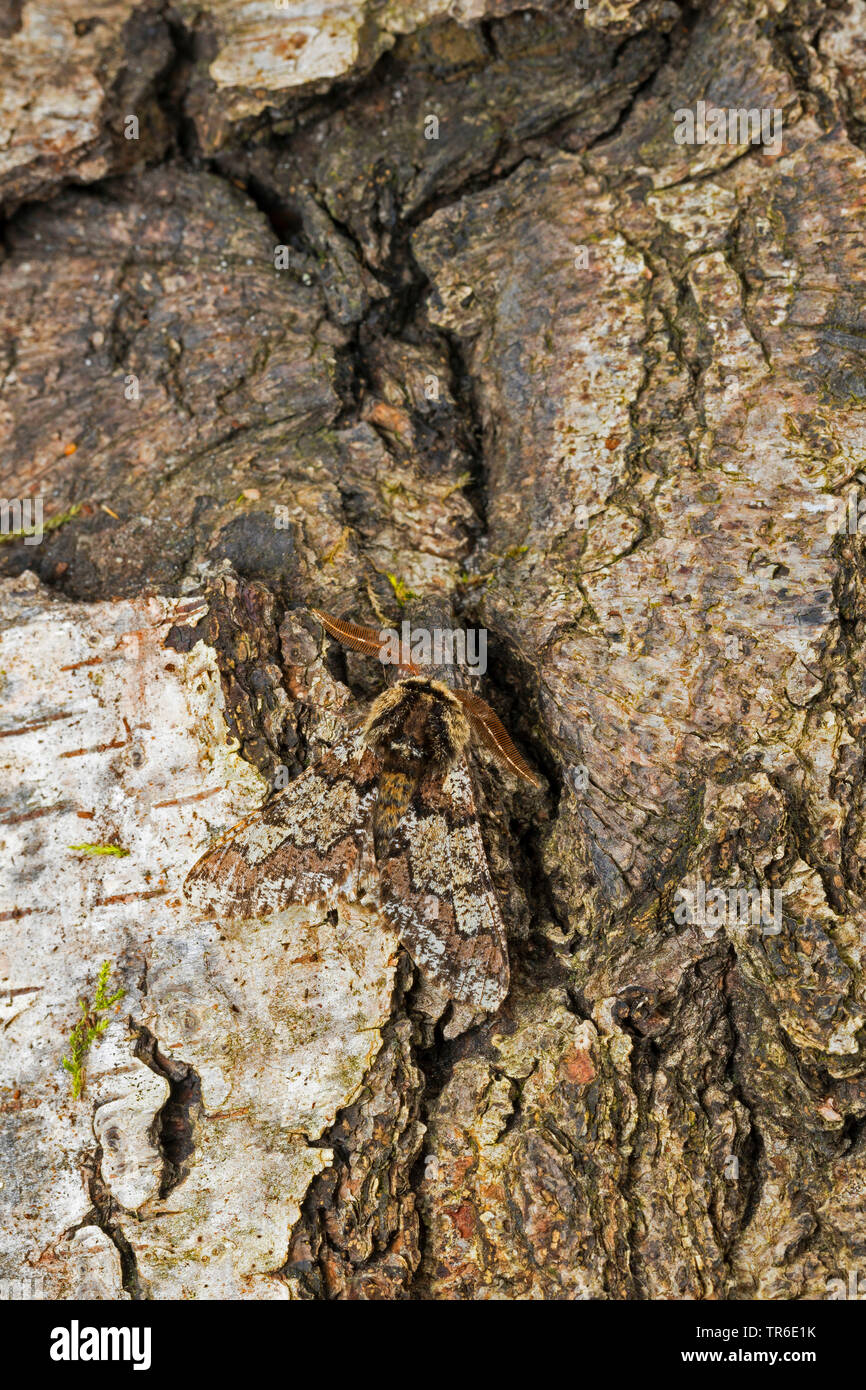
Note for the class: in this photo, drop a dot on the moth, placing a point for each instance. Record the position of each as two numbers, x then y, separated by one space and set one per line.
387 816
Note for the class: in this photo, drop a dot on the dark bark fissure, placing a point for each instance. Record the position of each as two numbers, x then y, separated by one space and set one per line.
106 1213
176 1121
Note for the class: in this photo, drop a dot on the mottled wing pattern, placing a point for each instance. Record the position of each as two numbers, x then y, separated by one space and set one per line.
436 890
312 844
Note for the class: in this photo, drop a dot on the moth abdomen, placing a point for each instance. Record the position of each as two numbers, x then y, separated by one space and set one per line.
396 790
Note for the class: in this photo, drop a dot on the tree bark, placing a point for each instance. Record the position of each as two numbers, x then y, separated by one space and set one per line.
414 308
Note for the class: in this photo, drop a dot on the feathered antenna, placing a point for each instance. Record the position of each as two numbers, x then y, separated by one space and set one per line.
361 639
491 731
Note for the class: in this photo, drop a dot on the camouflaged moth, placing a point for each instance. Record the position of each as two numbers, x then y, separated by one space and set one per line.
386 816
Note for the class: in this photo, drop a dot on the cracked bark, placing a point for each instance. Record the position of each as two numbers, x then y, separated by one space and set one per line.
622 463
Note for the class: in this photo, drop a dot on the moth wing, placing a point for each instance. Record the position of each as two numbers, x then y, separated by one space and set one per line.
311 844
437 891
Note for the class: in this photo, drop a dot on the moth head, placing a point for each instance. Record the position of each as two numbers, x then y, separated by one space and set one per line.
417 723
421 720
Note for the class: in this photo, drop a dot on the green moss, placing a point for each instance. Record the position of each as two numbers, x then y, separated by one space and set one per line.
89 1027
100 849
50 525
61 519
463 481
402 592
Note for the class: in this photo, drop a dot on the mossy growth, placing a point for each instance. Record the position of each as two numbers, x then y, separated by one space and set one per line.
116 850
402 592
50 524
88 1027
